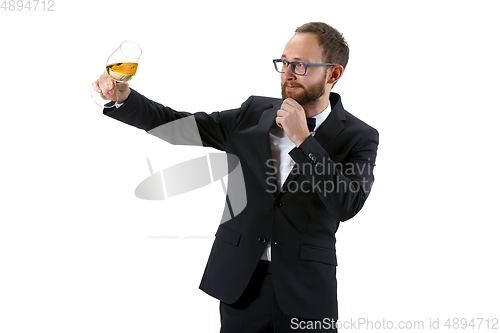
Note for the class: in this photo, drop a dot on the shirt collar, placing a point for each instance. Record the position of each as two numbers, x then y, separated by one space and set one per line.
321 117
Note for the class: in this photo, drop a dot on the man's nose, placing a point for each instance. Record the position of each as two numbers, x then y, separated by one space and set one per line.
289 74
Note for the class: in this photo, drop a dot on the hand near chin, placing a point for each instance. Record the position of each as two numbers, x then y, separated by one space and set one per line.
292 118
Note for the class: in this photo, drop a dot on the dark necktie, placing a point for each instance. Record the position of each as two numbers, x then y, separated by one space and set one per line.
311 123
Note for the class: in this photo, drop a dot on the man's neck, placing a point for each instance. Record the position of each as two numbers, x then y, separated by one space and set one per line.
317 107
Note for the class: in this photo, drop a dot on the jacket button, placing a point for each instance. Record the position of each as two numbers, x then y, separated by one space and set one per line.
278 204
262 240
313 158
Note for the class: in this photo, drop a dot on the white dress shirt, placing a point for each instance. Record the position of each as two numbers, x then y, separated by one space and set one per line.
281 145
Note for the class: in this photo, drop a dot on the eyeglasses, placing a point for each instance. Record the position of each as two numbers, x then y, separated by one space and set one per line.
298 67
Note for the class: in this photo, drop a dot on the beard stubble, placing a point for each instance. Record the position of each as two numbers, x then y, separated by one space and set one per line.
307 96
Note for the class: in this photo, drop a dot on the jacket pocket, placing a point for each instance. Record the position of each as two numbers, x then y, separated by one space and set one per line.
319 254
229 236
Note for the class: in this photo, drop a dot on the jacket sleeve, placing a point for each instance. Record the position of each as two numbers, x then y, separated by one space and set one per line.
343 187
213 129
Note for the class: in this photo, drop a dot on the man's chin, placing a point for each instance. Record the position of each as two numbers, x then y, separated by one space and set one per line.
292 94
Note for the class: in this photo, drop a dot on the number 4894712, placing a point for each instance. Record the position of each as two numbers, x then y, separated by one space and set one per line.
27 5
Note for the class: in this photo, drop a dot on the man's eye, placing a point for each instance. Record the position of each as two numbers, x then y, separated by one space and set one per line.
300 65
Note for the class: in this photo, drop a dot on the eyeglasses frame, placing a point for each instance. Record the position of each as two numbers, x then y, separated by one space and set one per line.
294 63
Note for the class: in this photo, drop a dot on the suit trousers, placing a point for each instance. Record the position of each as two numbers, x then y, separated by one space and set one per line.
257 311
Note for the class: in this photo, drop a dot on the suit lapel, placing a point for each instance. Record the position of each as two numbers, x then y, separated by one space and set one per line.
267 120
333 125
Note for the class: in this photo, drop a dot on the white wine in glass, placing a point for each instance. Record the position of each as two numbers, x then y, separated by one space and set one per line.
121 67
122 72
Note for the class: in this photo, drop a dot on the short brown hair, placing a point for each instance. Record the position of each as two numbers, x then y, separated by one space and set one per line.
335 48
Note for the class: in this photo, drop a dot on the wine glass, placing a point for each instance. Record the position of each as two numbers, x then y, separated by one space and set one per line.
121 66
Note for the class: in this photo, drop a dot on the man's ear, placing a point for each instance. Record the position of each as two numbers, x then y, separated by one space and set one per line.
335 74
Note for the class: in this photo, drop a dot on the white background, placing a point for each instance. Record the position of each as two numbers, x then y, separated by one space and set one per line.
78 251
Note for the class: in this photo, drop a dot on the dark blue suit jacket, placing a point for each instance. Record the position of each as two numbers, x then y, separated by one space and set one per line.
330 183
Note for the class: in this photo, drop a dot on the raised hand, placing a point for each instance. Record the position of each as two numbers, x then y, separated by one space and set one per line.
292 118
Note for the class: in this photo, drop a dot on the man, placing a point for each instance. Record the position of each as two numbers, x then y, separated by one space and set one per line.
273 265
